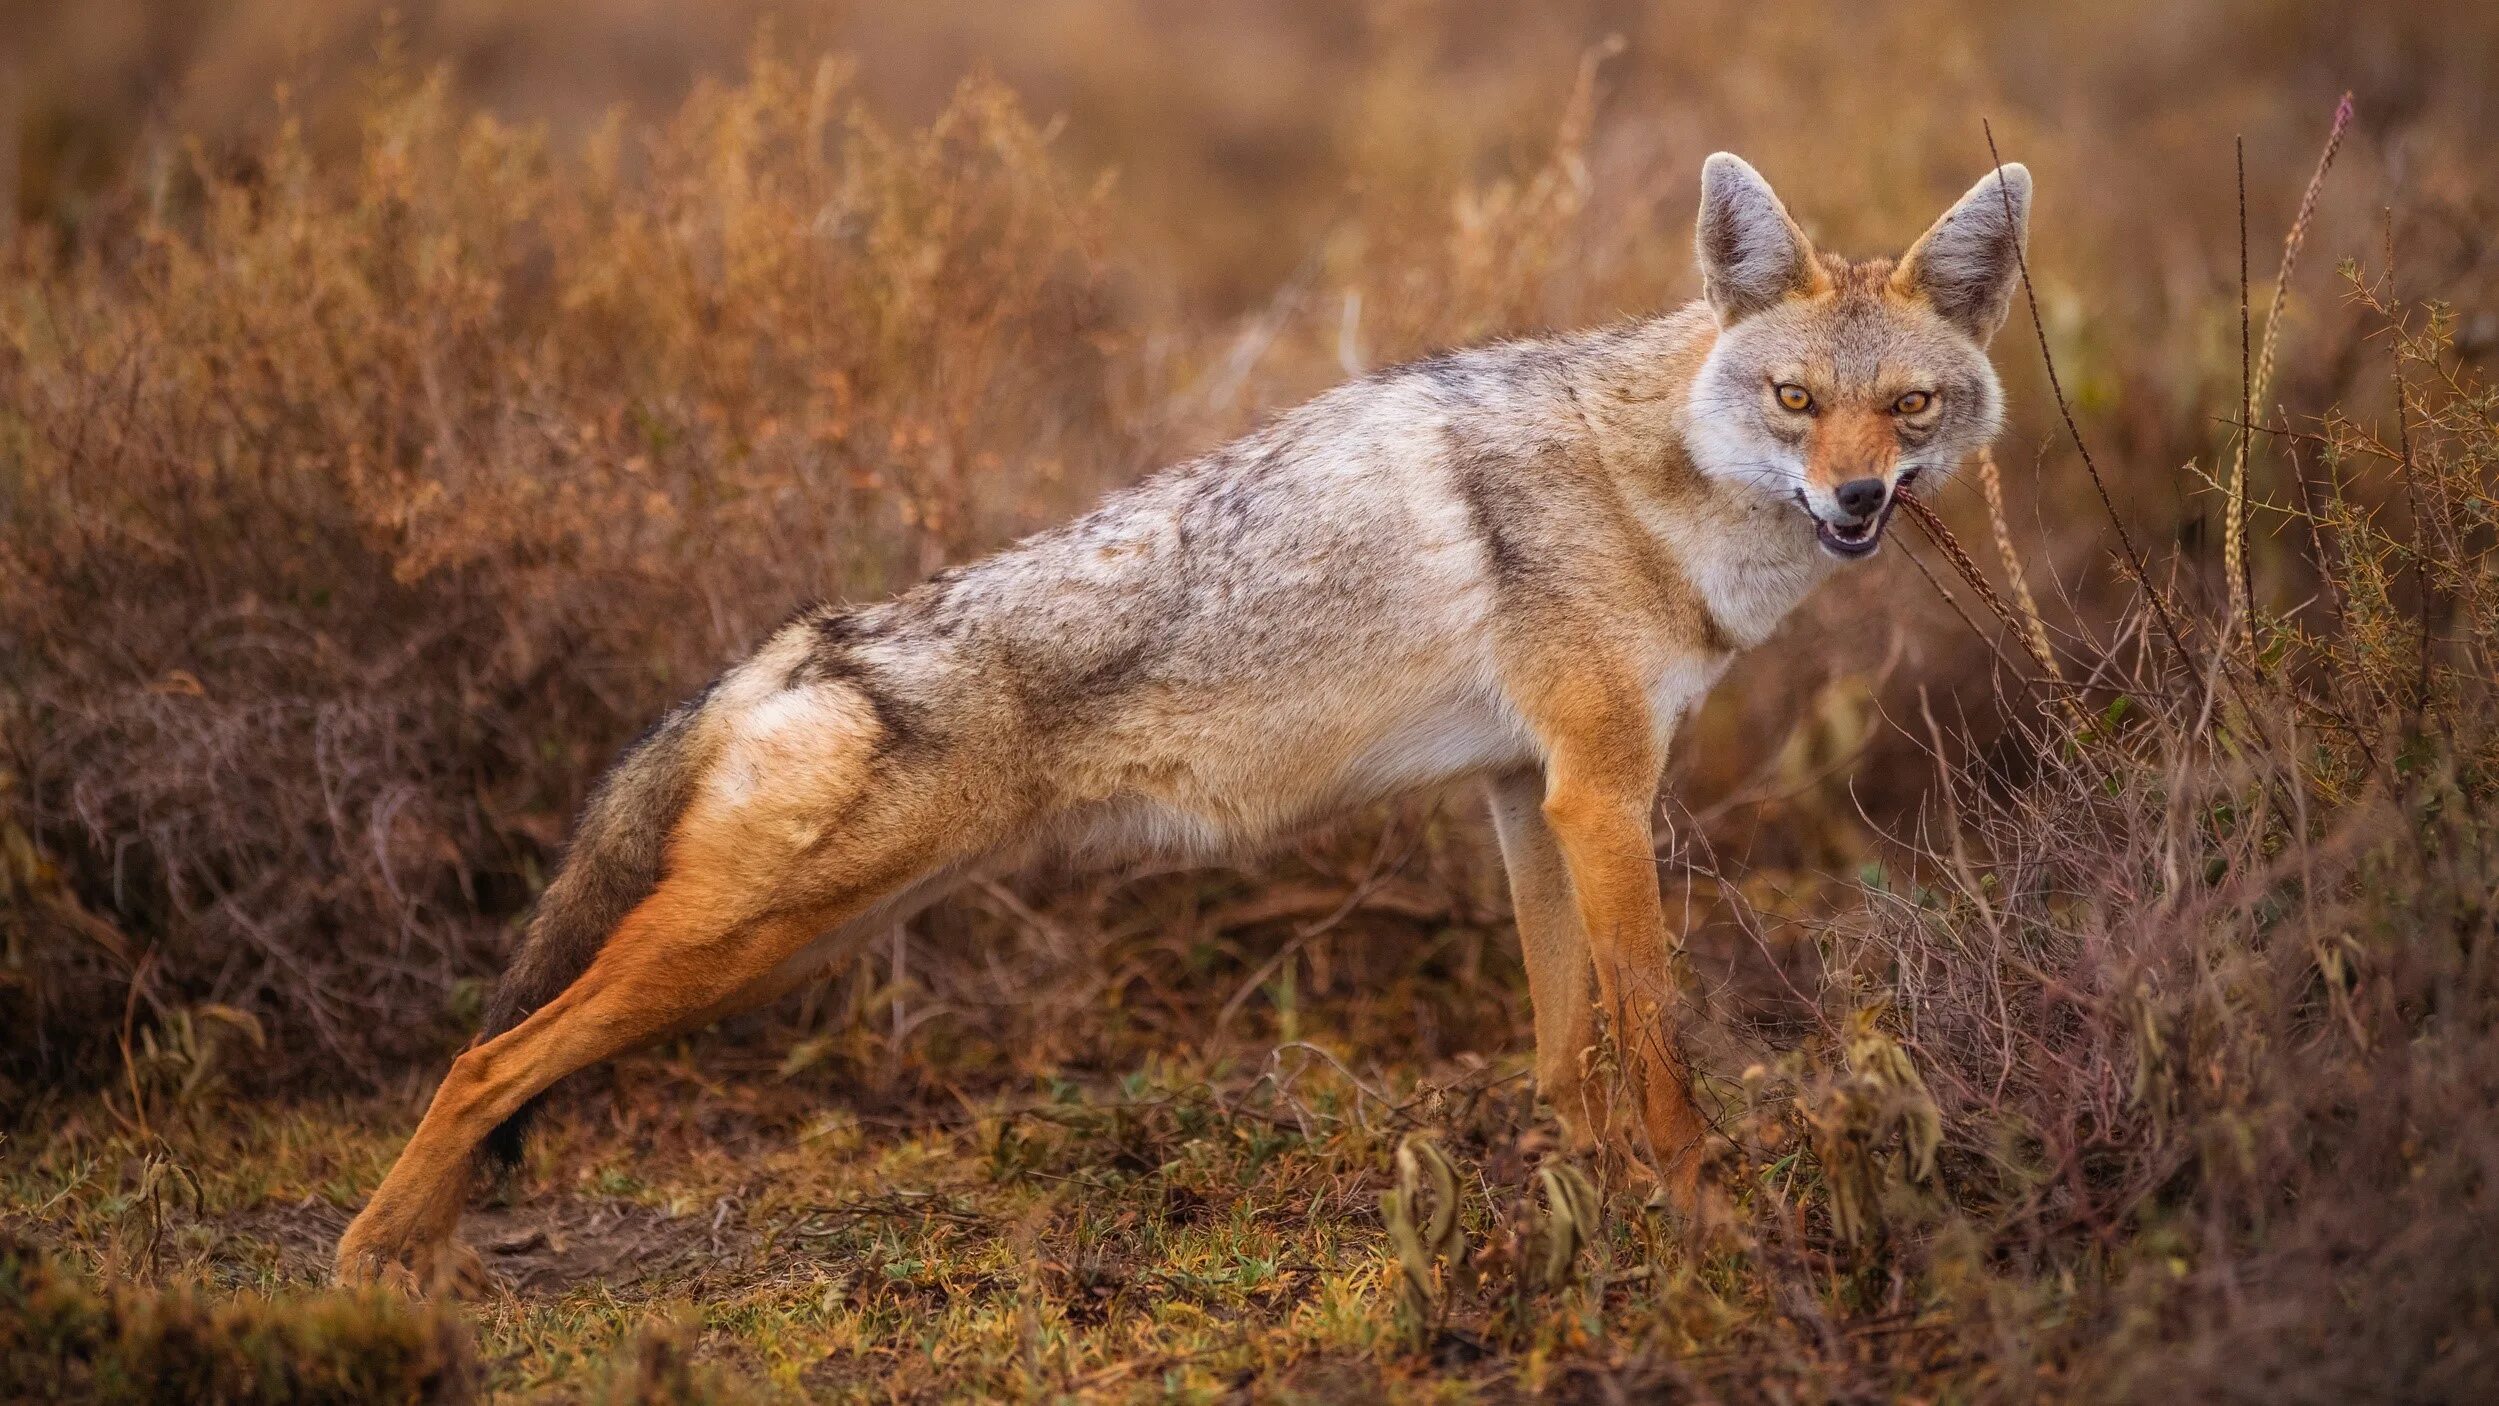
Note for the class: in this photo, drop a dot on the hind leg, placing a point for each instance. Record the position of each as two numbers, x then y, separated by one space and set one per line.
662 968
699 947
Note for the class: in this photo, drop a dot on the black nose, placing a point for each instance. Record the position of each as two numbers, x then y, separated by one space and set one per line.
1859 497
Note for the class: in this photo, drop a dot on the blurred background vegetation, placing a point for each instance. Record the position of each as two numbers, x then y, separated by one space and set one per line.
400 404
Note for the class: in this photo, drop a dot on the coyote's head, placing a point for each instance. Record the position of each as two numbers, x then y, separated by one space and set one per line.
1834 384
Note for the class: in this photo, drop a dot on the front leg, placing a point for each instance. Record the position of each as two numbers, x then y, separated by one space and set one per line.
1555 951
1602 761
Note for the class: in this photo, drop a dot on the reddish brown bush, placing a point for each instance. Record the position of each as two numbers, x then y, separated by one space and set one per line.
358 508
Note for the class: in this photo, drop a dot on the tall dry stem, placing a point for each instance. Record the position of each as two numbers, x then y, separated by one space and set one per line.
2234 539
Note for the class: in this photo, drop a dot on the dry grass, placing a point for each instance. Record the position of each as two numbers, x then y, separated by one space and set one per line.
2096 989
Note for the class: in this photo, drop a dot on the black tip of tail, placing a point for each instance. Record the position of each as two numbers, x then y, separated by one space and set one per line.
510 1137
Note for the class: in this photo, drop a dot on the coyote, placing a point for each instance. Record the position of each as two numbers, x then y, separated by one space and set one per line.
1519 564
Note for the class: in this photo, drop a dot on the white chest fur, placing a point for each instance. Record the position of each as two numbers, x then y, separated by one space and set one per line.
1676 688
1751 557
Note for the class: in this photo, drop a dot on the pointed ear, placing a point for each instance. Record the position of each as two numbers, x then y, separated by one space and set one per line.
1752 255
1966 267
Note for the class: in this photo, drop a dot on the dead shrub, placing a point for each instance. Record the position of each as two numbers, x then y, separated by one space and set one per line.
358 508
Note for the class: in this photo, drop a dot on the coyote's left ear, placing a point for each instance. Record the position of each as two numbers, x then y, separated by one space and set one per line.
1966 266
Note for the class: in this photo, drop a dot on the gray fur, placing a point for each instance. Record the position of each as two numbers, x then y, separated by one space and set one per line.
1270 557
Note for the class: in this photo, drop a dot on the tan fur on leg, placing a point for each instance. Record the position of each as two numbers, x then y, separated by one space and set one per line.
662 966
1555 951
1600 782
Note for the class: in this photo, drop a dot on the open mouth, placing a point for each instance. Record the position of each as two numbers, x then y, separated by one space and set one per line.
1853 542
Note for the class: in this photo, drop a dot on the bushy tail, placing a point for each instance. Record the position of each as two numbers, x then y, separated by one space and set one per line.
613 864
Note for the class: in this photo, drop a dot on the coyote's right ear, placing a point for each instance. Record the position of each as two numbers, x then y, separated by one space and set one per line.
1752 254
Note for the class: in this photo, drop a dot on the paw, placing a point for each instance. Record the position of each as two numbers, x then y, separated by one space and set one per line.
403 1270
461 1272
415 1265
1676 1186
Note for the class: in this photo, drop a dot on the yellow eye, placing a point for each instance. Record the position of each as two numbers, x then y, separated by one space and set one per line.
1794 398
1912 403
